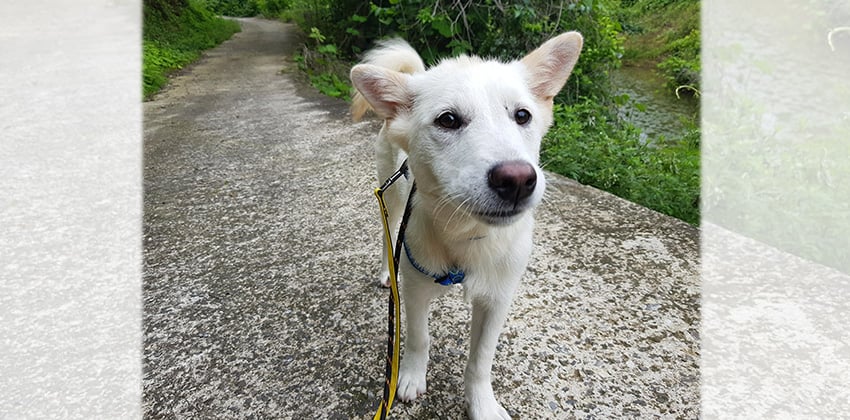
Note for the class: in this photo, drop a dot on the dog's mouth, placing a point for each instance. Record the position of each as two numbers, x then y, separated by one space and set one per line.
499 217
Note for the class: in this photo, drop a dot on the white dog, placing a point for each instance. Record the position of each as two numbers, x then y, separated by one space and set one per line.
471 130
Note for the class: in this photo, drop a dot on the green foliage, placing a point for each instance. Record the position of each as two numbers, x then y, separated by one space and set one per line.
245 8
155 63
331 85
682 65
665 32
174 35
236 8
494 29
587 145
272 8
326 71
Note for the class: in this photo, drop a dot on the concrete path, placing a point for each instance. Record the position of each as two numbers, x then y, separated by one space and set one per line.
262 250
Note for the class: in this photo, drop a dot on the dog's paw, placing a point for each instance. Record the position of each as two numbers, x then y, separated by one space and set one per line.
384 278
411 384
493 411
483 406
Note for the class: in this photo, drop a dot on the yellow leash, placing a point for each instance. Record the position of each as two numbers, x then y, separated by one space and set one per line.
394 314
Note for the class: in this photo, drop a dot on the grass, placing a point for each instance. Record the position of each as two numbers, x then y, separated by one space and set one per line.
664 34
173 38
596 150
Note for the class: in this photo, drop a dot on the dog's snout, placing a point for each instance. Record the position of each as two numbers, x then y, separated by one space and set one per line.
513 181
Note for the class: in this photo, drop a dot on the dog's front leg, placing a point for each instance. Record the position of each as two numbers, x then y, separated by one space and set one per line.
418 292
488 317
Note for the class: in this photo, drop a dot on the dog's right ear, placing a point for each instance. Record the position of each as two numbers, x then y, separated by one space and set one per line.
385 90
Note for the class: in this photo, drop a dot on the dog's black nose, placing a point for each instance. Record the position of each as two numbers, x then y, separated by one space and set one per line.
512 180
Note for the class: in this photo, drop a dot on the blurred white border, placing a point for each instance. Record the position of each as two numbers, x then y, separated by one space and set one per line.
776 209
70 209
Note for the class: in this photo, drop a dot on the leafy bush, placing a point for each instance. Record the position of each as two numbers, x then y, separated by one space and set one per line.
246 8
494 29
322 65
236 8
156 61
272 8
174 35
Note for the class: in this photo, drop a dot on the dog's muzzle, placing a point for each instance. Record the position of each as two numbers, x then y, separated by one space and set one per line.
513 182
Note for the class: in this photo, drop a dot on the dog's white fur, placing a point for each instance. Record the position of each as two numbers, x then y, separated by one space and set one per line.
451 167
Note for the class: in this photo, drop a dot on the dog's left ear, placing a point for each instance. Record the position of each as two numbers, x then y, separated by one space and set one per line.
551 64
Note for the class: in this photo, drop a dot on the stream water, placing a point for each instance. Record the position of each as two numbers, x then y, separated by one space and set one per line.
652 107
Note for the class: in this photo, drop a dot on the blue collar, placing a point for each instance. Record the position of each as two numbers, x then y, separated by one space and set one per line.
454 276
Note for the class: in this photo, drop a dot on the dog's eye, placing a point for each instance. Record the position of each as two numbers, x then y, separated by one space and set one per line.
522 116
449 120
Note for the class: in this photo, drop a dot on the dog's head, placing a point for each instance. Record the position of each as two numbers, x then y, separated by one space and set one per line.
472 128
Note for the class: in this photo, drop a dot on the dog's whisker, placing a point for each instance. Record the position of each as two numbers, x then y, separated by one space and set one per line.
444 202
441 204
459 208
